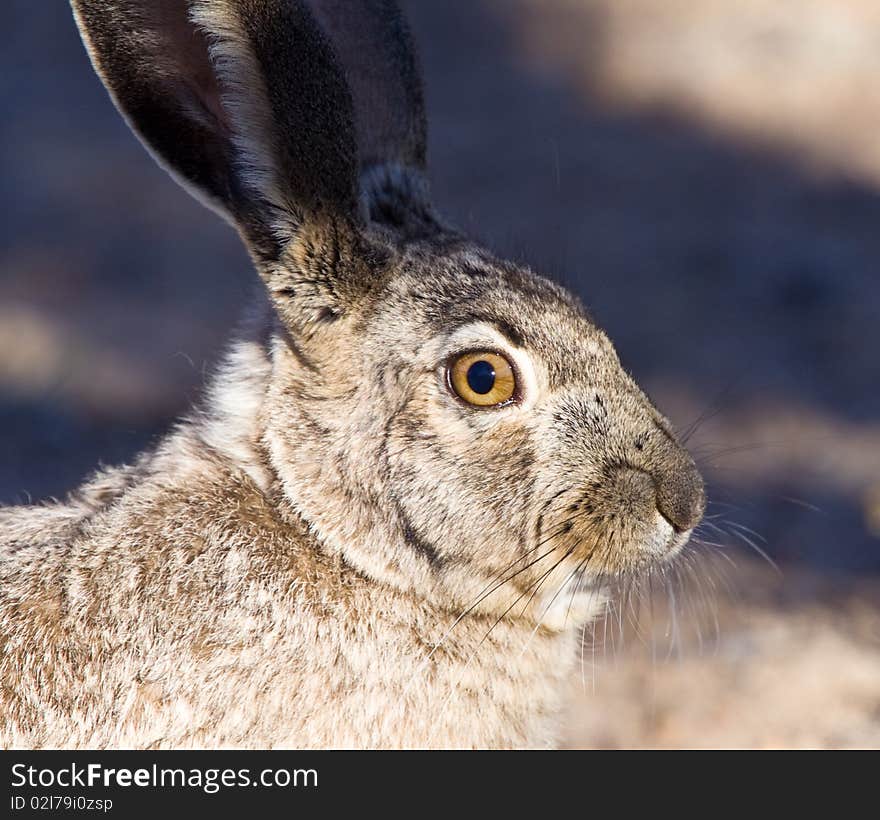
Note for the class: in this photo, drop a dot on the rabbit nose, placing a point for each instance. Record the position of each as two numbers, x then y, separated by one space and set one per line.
681 496
679 490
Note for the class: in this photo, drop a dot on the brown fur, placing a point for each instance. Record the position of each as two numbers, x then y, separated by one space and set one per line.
334 550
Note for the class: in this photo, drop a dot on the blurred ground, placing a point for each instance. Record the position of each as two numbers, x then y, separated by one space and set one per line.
738 657
706 174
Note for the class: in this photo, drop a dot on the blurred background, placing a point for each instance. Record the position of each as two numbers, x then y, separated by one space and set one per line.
705 173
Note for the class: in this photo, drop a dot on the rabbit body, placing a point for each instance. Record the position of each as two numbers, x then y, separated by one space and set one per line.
408 485
181 603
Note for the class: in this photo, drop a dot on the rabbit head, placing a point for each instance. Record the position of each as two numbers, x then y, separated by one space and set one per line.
441 418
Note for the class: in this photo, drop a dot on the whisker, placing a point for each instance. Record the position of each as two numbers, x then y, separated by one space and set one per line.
547 609
673 634
500 618
486 592
712 410
744 528
736 533
799 502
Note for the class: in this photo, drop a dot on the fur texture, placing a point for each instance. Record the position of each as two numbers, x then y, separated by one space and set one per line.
334 549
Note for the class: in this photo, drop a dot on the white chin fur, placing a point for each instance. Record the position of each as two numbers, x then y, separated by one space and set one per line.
665 542
574 606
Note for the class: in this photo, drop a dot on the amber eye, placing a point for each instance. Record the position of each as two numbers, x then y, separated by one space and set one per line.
482 378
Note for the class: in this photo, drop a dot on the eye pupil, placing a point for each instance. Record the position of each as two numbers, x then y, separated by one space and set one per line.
481 377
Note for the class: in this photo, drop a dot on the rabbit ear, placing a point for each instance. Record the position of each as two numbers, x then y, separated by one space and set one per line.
376 50
242 100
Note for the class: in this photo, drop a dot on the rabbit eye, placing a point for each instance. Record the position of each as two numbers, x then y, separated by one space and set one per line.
482 378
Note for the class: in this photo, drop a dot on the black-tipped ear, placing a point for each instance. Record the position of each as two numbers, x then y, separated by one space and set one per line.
376 50
242 100
374 45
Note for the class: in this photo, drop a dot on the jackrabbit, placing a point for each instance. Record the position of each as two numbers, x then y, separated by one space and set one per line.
408 484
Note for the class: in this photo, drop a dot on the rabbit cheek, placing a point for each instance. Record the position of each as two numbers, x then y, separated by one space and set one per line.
486 476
